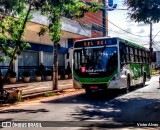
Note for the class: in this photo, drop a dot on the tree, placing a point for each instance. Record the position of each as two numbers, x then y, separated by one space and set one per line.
55 10
146 11
14 21
12 27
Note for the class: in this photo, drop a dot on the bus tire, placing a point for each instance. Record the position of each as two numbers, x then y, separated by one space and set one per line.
128 83
88 91
144 79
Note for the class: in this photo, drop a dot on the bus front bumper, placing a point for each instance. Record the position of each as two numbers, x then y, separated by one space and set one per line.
95 87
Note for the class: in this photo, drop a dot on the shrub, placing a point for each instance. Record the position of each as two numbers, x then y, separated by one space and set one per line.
26 74
12 74
47 94
38 73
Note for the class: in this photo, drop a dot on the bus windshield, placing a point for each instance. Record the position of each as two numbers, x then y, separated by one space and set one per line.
95 61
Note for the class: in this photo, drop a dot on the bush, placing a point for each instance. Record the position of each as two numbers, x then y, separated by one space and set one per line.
26 74
47 94
38 73
12 74
48 73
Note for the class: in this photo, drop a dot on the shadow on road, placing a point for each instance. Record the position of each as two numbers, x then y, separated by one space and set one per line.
85 99
119 112
94 97
22 110
8 119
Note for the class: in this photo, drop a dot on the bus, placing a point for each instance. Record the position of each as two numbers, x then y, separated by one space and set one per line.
109 63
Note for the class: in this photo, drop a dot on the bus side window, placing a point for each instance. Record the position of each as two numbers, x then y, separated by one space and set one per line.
127 54
136 55
122 53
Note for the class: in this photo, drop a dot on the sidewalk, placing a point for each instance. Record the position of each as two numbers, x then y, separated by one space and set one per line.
34 88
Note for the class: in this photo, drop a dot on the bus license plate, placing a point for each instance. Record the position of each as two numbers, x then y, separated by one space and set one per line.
93 87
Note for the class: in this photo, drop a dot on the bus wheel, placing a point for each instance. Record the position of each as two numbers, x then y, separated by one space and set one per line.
144 79
128 83
88 91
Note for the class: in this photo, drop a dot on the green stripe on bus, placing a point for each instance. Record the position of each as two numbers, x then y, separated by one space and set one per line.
136 70
98 80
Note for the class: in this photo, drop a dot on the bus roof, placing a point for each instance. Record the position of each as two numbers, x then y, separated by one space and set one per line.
121 39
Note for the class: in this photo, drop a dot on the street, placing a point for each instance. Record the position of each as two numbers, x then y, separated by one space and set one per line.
138 109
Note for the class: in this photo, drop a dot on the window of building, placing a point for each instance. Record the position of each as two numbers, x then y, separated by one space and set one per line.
4 65
48 60
28 61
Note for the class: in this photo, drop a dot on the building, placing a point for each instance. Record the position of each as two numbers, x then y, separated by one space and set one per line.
156 60
41 50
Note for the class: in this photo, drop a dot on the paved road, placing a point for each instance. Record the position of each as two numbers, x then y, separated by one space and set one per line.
127 111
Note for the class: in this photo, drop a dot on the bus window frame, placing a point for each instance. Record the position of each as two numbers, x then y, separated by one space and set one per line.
128 54
136 55
133 54
122 51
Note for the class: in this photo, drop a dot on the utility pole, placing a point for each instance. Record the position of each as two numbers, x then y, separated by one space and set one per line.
104 18
151 42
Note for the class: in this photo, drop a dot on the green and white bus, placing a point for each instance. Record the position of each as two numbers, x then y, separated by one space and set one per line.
109 63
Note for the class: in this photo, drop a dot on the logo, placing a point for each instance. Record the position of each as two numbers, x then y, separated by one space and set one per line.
6 124
83 69
110 6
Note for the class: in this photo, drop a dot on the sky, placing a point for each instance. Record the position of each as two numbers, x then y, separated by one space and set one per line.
121 19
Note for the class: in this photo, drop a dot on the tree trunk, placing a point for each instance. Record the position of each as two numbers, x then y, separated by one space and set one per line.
55 66
1 87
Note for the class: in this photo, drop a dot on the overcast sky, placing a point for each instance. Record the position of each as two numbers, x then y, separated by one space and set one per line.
121 19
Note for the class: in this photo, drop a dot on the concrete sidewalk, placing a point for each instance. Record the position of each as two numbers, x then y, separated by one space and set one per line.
39 87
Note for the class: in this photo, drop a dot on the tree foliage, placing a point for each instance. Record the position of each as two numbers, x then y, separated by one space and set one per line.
16 13
13 23
55 10
73 9
146 11
12 28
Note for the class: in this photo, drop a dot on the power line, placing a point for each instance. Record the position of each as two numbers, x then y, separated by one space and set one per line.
118 26
95 22
85 20
88 21
156 45
128 31
144 24
156 35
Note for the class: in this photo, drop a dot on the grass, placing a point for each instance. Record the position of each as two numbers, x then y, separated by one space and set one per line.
47 94
155 71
